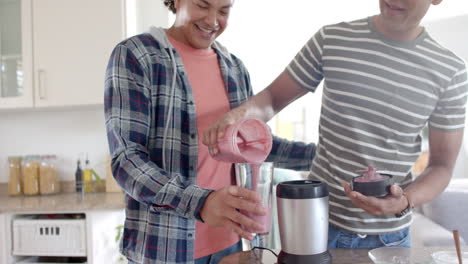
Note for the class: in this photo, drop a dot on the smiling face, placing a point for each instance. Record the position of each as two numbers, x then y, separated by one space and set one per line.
199 22
403 15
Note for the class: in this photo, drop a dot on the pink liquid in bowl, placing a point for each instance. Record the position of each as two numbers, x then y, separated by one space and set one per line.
371 175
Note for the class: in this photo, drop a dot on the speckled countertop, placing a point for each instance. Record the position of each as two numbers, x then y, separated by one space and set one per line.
61 202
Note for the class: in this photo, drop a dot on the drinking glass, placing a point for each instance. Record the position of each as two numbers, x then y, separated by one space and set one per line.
258 178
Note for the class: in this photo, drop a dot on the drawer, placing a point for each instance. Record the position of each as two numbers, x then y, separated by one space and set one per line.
49 237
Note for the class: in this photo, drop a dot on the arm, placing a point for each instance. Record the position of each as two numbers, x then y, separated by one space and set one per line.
445 136
303 74
280 93
446 126
444 140
444 147
292 155
262 106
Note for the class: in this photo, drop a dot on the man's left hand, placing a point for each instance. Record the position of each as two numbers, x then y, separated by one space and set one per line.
393 203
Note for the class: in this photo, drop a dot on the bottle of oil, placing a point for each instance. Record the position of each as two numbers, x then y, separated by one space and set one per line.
79 177
88 177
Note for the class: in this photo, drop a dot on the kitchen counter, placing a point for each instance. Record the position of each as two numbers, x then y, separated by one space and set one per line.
340 255
61 202
257 256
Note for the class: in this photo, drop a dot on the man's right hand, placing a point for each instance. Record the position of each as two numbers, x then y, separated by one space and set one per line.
220 209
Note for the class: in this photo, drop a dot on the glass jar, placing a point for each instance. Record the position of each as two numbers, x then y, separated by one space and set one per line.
48 177
30 170
15 185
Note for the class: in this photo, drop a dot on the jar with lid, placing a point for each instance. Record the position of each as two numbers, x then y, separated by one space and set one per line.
30 170
15 185
48 177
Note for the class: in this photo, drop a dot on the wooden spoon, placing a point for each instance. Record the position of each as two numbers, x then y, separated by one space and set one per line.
456 237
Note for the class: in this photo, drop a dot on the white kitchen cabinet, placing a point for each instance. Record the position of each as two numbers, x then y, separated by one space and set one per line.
3 237
100 232
16 86
73 40
54 52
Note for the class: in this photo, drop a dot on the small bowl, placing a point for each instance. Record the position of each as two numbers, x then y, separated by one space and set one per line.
448 257
377 188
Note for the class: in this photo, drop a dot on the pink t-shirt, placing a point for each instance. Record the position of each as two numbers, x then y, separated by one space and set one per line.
211 103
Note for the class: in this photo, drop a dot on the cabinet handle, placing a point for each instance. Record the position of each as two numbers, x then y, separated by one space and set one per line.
41 81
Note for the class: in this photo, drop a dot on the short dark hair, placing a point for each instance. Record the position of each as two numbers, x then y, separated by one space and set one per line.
170 4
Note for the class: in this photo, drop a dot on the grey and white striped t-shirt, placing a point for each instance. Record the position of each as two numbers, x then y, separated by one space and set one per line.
378 94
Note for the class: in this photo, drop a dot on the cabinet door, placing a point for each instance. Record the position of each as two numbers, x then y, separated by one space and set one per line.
15 54
3 238
73 40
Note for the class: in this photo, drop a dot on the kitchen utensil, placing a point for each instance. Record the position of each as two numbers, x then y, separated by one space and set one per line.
456 238
303 222
372 183
246 141
259 178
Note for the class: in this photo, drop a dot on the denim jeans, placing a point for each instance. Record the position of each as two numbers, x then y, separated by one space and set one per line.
339 238
216 257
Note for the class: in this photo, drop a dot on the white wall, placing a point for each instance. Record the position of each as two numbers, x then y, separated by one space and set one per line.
141 14
452 32
66 133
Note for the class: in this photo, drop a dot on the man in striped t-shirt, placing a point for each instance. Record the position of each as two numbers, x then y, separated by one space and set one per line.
384 80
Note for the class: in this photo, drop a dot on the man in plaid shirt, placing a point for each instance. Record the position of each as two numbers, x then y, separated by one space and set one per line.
156 108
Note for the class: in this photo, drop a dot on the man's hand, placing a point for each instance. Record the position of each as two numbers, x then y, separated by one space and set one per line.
393 203
220 209
216 130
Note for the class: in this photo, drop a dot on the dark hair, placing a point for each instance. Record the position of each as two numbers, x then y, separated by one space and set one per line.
170 4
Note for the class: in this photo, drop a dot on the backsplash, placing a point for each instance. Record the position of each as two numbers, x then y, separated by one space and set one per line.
65 133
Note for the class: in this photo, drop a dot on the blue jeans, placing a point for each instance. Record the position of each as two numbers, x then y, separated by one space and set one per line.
339 238
216 257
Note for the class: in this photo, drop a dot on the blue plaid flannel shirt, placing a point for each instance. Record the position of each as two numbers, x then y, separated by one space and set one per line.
163 205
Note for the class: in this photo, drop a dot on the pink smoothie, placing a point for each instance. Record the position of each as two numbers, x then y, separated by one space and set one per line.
246 141
265 220
371 175
249 141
